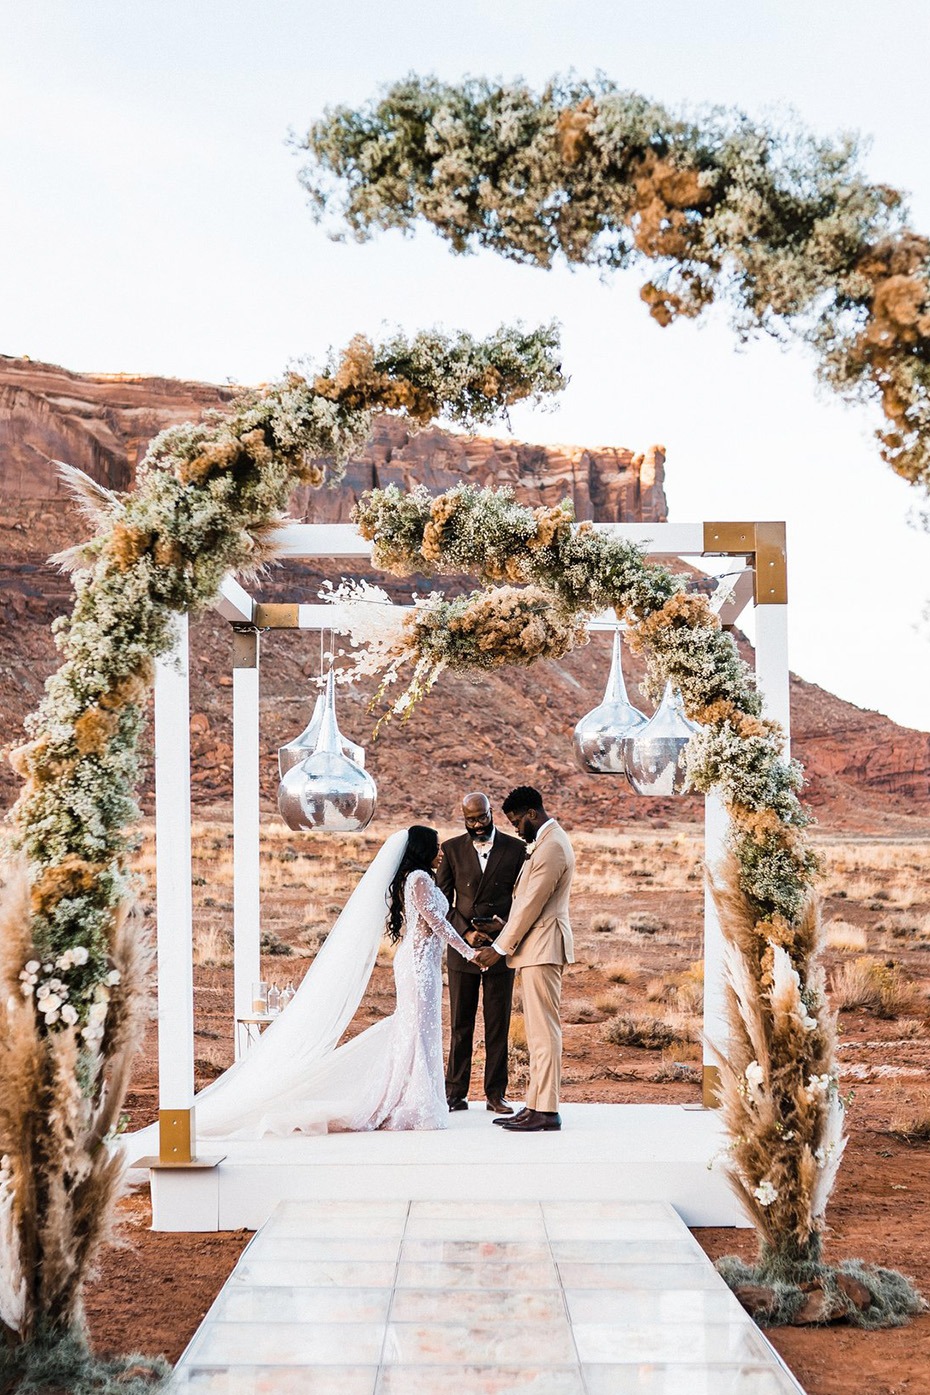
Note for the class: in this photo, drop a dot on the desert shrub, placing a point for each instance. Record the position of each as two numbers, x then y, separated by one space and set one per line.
903 931
650 1033
579 1010
273 944
517 1035
676 1072
841 935
607 1003
910 1118
620 971
603 924
644 924
911 1030
689 989
660 990
314 938
64 1362
874 986
212 948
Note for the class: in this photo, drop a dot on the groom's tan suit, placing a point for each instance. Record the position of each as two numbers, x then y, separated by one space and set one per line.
537 940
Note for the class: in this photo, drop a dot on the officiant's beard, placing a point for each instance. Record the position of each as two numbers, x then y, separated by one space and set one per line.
482 834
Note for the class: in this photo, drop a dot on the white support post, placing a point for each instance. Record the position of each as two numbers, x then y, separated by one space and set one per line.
772 671
177 1135
246 823
715 1019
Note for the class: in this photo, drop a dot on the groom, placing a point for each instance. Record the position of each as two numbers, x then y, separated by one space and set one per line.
537 940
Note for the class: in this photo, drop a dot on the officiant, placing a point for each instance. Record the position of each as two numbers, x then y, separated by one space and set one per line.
477 874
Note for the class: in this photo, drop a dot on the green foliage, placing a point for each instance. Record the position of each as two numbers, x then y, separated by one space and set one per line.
894 1297
783 227
55 1362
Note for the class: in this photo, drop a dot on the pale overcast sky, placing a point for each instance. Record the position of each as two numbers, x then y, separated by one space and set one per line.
152 222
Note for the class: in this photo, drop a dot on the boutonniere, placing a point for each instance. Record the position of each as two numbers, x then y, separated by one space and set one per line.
530 849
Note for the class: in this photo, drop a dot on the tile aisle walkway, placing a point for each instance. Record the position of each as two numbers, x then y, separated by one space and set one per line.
422 1297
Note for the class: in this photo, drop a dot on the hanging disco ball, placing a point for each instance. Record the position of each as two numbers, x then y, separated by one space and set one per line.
654 754
326 791
599 736
305 744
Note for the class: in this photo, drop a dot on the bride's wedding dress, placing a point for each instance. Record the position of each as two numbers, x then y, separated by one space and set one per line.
297 1079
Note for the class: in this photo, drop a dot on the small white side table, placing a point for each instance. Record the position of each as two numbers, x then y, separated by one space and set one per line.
249 1029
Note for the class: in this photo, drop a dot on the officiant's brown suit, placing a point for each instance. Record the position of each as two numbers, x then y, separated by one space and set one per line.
537 940
472 893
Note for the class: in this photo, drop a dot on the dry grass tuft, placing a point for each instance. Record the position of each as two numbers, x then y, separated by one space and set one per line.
874 986
841 935
620 971
641 923
608 1003
517 1034
650 1033
212 948
660 990
603 924
579 1010
689 989
910 1118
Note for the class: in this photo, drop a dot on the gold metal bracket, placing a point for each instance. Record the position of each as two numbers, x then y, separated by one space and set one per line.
277 615
764 543
710 1087
245 646
177 1139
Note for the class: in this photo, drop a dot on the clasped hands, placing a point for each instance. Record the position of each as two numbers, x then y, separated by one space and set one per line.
480 940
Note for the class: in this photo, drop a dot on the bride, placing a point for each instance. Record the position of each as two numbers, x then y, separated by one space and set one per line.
297 1079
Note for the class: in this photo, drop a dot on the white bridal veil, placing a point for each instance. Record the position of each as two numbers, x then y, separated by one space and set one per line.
297 1077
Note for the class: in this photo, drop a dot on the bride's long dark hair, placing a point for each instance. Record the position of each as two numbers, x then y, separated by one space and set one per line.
419 855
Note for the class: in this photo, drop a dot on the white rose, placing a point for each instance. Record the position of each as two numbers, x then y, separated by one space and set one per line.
765 1193
97 1014
80 955
51 1018
27 990
50 1003
33 966
69 1015
47 968
64 960
754 1075
113 978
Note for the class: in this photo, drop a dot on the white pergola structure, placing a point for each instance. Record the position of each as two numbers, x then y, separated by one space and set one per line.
764 582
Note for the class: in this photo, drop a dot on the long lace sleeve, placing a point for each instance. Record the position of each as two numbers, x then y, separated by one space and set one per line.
429 900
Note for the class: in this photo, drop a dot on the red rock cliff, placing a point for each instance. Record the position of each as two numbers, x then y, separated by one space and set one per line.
102 423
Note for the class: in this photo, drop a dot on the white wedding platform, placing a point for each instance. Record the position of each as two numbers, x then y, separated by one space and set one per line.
605 1152
652 1152
477 1296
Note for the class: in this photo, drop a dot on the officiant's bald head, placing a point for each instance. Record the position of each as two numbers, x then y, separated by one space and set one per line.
476 811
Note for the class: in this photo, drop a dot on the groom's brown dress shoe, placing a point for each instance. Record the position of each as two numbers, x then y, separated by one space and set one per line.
498 1105
456 1105
520 1114
535 1121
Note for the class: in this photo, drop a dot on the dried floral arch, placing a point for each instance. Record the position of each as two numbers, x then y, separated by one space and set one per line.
209 501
